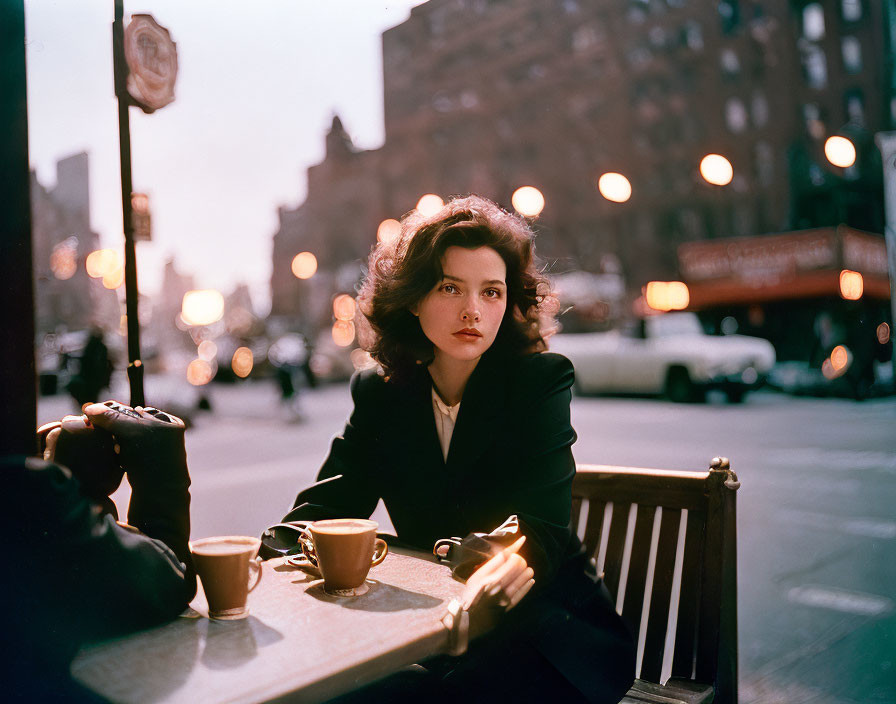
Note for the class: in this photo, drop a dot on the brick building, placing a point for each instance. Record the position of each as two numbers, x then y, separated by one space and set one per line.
488 95
66 298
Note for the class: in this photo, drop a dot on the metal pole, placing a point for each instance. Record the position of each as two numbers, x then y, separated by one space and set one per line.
886 142
18 390
135 365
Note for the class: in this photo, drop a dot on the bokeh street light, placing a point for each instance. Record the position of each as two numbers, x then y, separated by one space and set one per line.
429 204
388 231
242 362
528 201
840 152
614 187
344 307
852 285
667 295
202 307
716 169
100 262
343 333
304 265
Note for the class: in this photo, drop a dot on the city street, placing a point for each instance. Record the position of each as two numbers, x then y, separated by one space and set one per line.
816 523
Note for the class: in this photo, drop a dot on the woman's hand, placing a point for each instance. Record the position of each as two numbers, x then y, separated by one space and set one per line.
504 580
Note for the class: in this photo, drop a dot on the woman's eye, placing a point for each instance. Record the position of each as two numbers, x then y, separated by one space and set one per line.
492 293
449 288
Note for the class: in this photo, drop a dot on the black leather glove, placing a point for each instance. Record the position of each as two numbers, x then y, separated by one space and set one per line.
150 447
88 452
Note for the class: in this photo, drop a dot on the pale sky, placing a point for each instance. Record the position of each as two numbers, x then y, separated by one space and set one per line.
258 83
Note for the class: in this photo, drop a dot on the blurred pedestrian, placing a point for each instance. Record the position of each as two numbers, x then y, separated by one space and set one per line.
94 370
291 357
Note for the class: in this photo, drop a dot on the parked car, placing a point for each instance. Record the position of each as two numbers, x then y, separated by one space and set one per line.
666 354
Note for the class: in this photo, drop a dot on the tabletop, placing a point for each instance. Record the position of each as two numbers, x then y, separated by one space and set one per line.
297 640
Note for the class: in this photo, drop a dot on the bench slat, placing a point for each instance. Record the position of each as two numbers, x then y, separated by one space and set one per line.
637 570
575 513
594 526
616 547
686 632
658 619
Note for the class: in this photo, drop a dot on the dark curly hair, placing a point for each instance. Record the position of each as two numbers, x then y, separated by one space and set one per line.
402 272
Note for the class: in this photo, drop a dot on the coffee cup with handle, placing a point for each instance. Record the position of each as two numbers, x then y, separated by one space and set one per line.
343 550
224 564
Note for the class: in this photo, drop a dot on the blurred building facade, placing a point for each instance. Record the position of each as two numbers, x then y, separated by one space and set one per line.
66 299
486 96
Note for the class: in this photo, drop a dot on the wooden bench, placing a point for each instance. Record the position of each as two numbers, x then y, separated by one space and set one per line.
665 543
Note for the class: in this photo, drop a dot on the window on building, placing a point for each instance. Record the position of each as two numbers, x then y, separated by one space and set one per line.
813 21
852 54
759 109
570 7
729 62
657 36
692 35
442 102
735 115
583 38
851 10
765 164
638 56
469 99
815 67
814 122
636 14
729 15
691 224
855 107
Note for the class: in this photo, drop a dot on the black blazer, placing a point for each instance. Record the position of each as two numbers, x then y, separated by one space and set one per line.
510 453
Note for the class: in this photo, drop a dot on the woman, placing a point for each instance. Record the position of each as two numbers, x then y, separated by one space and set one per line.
467 423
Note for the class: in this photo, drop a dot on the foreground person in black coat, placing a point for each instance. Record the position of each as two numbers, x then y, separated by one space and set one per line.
71 573
466 425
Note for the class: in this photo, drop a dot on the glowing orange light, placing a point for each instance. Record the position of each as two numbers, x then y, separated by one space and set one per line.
113 278
304 265
667 295
343 333
839 358
388 231
614 187
344 307
101 262
207 350
429 204
827 369
716 169
851 285
202 307
840 151
528 201
63 262
883 333
242 362
199 372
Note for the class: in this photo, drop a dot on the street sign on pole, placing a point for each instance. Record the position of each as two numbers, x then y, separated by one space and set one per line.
152 63
145 69
140 217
